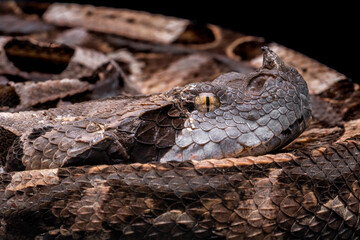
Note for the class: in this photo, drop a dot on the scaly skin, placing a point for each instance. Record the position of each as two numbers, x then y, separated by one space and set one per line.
312 195
253 197
308 189
258 113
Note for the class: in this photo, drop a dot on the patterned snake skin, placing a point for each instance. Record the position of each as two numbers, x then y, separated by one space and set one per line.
257 113
248 155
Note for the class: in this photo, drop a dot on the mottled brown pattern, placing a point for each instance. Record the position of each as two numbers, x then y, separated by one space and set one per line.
298 195
35 73
309 189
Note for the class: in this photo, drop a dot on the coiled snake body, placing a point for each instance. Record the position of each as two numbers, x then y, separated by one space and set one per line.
187 163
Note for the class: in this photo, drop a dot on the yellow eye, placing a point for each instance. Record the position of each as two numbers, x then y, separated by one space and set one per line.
206 102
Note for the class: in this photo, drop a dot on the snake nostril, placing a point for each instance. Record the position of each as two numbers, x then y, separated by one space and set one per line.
287 132
257 83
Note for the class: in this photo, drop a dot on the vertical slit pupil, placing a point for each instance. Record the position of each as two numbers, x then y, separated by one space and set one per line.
207 103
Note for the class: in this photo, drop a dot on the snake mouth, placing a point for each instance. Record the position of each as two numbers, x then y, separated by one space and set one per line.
292 132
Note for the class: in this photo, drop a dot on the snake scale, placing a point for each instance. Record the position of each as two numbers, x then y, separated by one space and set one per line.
231 149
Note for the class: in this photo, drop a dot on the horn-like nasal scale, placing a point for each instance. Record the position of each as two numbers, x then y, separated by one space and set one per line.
272 60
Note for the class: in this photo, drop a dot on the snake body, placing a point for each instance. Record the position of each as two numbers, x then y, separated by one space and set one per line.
257 113
248 155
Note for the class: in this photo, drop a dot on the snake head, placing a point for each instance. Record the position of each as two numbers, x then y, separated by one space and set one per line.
239 115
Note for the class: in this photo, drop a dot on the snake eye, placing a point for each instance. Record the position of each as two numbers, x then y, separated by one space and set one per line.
206 102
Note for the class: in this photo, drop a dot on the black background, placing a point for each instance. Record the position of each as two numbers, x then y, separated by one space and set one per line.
324 31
